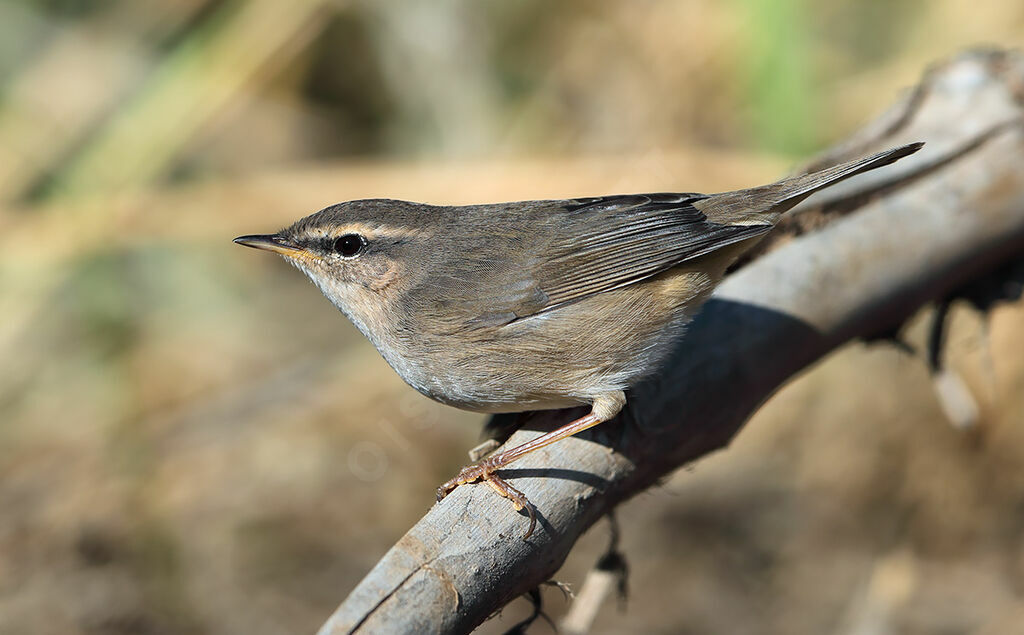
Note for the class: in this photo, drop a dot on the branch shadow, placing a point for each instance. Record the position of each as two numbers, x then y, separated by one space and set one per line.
579 476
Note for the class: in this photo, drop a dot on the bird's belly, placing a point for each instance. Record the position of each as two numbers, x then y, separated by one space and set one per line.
464 384
561 358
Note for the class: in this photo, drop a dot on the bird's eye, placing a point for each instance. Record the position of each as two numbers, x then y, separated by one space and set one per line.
349 245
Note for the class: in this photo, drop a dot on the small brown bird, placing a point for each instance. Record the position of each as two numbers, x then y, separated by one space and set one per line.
536 304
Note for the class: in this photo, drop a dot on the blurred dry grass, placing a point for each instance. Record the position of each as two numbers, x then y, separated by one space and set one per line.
193 440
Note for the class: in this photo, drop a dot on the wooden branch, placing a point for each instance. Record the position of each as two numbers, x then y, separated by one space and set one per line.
889 243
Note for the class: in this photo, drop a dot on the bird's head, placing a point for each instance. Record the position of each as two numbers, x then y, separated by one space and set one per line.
361 254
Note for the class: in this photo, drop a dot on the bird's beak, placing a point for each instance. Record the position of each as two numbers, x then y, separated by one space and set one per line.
271 242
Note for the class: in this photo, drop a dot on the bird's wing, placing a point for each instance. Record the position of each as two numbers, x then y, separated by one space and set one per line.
628 239
592 245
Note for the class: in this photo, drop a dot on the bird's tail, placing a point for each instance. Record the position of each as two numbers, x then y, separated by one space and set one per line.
765 204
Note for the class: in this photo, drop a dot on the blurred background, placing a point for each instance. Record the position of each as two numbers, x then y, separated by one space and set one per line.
193 440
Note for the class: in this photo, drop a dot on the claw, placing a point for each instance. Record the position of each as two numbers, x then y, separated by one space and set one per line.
484 470
602 409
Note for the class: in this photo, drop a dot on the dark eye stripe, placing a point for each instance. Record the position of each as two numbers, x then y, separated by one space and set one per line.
349 245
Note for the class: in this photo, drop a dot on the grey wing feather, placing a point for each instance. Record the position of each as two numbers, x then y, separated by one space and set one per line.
629 238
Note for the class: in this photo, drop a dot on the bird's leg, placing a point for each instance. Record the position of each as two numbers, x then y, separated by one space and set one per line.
604 408
486 468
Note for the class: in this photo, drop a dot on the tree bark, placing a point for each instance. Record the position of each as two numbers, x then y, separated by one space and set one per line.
854 262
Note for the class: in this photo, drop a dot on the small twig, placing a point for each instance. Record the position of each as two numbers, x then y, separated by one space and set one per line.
611 573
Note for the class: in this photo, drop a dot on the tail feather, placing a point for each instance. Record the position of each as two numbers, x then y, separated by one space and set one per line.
766 203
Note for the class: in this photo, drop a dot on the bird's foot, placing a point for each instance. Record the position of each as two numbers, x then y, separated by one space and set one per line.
485 471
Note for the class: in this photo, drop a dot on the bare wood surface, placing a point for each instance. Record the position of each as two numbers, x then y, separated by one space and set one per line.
872 252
